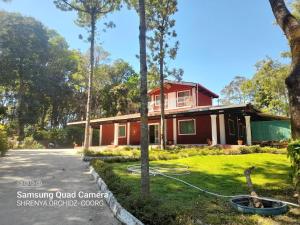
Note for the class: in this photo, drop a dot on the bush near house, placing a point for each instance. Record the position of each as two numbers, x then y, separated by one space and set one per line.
126 154
3 140
294 155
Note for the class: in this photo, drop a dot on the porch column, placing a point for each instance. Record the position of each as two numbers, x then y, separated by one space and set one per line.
165 132
91 136
128 133
248 130
222 129
174 131
100 135
116 134
214 134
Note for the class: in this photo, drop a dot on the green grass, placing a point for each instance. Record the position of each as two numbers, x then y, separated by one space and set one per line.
222 174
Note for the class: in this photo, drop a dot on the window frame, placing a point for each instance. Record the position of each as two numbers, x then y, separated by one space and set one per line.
166 100
195 128
177 97
125 135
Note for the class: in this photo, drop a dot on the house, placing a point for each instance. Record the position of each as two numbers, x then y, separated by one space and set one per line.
190 118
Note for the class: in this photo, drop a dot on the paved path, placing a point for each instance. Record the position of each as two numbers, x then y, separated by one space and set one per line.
59 170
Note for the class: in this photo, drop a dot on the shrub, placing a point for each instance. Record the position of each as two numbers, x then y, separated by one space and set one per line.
294 155
30 143
3 141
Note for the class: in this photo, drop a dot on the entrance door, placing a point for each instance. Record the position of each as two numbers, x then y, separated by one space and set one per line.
153 134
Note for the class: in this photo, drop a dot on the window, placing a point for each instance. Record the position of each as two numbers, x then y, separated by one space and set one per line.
241 130
231 127
184 98
122 131
187 127
157 100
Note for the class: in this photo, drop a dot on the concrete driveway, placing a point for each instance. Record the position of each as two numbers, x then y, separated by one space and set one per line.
48 171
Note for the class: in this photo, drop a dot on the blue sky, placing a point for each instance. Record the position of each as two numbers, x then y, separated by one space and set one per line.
219 39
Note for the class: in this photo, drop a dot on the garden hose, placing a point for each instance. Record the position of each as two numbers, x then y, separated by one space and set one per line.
183 170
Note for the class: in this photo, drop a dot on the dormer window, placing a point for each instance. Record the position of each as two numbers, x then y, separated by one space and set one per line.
184 98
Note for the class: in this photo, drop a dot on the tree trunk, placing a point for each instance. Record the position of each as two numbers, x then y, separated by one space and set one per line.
291 28
162 95
255 201
88 104
145 180
20 110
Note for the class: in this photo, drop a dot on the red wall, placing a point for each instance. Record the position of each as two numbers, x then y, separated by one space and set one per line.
170 130
107 134
204 100
135 133
203 131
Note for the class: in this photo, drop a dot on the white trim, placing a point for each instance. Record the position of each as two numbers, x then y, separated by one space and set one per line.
178 98
187 120
214 133
248 130
165 131
91 137
155 100
122 125
116 133
128 133
222 129
174 131
100 135
154 124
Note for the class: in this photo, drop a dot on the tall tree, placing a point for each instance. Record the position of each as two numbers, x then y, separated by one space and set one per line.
23 65
233 93
291 28
89 11
161 22
145 179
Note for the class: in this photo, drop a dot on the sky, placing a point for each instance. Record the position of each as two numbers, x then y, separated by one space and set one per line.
219 39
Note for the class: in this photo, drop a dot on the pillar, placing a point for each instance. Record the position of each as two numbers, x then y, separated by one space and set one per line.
222 129
128 133
214 134
165 132
100 135
91 137
248 130
175 131
116 134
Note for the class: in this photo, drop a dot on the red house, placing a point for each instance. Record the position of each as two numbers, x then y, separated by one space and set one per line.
190 116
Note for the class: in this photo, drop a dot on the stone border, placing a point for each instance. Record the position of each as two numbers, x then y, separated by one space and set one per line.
119 212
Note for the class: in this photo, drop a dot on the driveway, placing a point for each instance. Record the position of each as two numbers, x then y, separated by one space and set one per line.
48 171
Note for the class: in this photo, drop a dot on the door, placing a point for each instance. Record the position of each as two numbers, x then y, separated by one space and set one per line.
153 134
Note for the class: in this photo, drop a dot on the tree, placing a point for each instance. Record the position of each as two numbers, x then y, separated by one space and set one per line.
23 65
159 20
145 180
233 93
291 28
88 14
265 90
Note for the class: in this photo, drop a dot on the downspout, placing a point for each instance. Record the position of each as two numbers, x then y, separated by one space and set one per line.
197 86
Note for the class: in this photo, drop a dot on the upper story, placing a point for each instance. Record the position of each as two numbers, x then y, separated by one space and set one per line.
180 95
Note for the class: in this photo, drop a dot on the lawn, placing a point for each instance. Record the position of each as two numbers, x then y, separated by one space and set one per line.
222 174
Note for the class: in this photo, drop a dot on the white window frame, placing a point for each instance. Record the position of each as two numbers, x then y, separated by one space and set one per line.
122 125
195 128
166 102
177 97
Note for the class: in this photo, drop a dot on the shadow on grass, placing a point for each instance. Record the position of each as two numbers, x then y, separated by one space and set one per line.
213 210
